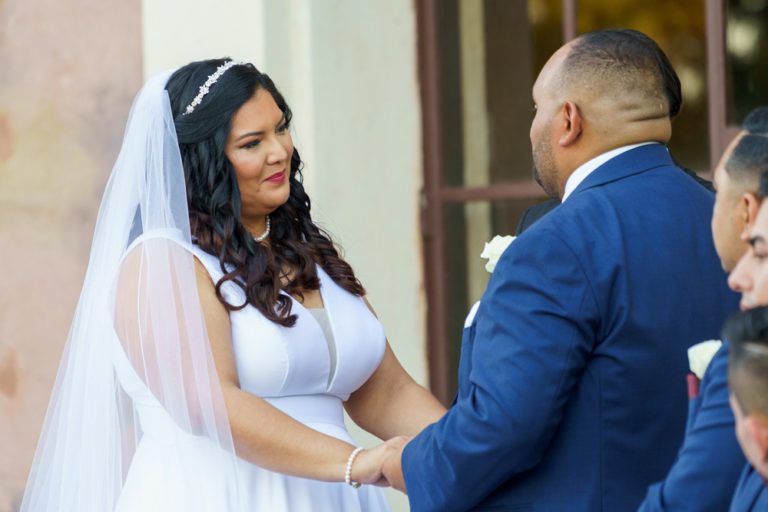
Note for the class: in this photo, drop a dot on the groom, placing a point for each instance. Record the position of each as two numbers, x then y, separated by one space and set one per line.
570 394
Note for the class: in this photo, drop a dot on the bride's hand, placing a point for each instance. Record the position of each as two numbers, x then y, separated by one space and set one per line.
366 468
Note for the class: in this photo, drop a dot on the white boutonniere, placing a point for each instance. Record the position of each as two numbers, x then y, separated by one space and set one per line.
494 249
700 354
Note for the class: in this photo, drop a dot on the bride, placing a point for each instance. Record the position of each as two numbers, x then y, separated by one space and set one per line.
219 335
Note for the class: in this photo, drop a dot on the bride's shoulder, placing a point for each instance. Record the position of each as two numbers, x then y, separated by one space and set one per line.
154 249
170 237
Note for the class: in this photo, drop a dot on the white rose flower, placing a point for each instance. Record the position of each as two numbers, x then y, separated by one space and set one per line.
494 249
700 354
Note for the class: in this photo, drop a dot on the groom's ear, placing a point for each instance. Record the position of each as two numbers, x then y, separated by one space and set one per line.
572 124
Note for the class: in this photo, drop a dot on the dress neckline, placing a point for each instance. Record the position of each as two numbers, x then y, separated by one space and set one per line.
330 341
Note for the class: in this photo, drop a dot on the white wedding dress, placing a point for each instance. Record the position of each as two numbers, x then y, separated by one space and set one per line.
299 371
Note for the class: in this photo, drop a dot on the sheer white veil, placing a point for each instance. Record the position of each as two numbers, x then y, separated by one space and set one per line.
137 363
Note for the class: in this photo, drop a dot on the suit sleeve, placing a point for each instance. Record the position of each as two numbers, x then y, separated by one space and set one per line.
709 462
534 330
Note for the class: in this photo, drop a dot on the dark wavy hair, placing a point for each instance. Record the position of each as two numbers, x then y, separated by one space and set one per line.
214 202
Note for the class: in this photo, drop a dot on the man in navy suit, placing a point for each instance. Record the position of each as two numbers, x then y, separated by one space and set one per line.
748 365
569 380
748 380
709 462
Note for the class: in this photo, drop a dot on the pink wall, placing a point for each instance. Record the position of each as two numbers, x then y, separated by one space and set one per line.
68 73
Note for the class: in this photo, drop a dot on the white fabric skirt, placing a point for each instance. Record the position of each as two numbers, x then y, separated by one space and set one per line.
195 475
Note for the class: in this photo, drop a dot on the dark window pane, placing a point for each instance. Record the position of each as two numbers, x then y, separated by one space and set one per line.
545 18
679 28
450 91
746 36
490 54
519 39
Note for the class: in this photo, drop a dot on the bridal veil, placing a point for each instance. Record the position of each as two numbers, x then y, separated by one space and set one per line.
137 362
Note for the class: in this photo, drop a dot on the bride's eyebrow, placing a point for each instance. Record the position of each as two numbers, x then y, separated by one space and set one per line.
249 134
256 134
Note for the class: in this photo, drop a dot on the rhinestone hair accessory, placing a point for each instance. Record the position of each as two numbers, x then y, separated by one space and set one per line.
212 79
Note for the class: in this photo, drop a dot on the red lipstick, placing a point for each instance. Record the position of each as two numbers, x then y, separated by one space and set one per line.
278 177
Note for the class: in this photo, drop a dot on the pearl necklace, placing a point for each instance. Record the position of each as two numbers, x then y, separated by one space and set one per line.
265 234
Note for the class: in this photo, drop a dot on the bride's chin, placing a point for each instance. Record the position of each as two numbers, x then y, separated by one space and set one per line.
266 204
281 197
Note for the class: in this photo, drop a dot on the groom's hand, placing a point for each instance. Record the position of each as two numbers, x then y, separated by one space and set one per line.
368 466
393 470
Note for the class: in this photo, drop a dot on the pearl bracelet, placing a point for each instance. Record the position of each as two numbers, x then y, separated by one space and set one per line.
348 473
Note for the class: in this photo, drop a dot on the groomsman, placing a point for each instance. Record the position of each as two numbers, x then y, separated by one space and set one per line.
750 275
709 462
748 379
748 366
569 380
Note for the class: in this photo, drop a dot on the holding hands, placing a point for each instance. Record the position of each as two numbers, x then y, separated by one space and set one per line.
380 466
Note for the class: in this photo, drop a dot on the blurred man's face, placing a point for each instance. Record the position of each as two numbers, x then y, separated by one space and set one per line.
748 431
750 276
741 430
728 221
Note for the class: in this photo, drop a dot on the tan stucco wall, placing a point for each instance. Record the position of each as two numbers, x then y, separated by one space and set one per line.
69 72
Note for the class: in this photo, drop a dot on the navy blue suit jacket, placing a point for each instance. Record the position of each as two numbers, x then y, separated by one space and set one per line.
708 465
751 492
571 390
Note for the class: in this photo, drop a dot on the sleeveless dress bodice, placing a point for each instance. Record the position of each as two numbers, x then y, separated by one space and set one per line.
289 367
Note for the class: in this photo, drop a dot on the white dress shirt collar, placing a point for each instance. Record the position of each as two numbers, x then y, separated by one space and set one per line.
585 169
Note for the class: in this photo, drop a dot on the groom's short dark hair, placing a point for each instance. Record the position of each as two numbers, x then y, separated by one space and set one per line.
628 60
747 333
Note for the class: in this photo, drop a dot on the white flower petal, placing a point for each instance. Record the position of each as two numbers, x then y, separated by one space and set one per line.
494 249
700 355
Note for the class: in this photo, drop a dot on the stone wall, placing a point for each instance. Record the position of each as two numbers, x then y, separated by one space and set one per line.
69 71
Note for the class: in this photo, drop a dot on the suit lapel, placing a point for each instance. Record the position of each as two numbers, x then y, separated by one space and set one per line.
755 486
748 491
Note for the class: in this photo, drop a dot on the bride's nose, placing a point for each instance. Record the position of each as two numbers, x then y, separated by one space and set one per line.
277 153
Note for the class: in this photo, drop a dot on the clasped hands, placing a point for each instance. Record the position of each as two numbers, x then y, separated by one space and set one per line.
381 465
